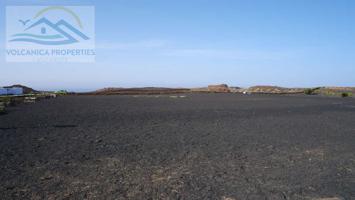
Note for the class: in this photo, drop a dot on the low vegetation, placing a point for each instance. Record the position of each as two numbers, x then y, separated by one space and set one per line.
346 94
311 91
6 100
61 92
10 101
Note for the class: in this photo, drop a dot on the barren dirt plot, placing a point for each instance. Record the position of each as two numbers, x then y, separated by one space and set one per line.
203 146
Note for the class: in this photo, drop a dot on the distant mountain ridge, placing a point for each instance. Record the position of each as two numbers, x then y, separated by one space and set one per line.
26 90
221 88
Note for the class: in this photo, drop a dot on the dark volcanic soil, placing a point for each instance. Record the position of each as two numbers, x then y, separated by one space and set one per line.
204 146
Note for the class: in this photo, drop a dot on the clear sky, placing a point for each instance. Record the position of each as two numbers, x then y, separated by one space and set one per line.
192 43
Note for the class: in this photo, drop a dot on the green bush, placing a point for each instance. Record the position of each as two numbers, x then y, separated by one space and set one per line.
311 91
346 94
61 92
5 100
308 91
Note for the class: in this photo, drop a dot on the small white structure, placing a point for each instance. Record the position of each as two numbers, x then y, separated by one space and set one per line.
11 91
30 100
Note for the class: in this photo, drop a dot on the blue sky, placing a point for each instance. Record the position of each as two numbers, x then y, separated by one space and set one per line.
193 43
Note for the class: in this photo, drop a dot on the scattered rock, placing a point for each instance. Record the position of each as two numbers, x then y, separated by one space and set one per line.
10 187
43 178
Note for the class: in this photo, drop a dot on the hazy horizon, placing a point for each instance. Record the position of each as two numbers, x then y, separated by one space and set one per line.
197 43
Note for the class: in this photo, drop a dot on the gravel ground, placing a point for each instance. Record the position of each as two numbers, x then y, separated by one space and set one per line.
203 146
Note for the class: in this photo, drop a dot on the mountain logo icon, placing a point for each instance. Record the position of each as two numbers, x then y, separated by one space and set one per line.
45 32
